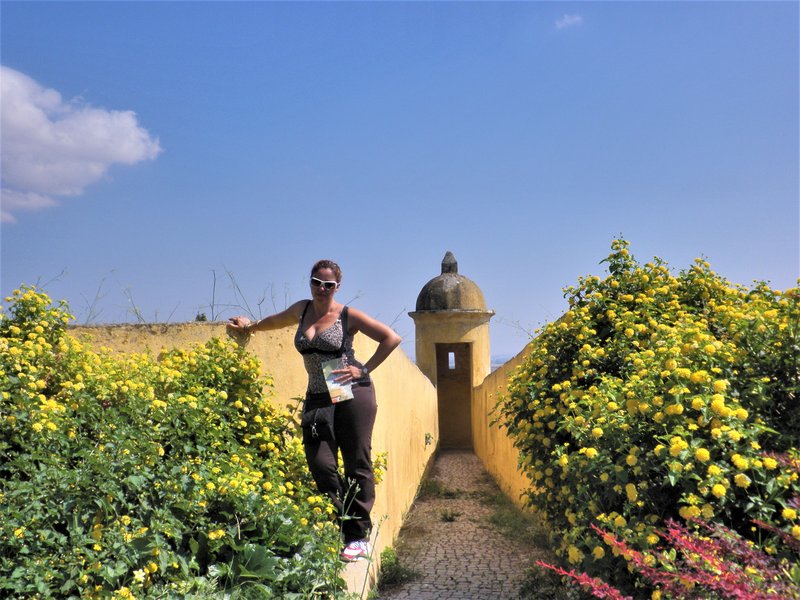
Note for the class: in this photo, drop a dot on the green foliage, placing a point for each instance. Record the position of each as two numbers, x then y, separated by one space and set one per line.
430 489
449 516
514 523
134 476
659 396
393 572
542 584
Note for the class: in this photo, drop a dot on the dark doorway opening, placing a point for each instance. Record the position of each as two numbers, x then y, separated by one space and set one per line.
454 388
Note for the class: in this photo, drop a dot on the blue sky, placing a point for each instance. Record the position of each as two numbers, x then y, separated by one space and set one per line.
151 147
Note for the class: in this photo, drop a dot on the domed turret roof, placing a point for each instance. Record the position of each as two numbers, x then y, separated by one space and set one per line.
450 291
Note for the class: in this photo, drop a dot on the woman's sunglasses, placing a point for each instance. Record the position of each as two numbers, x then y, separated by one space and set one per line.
328 285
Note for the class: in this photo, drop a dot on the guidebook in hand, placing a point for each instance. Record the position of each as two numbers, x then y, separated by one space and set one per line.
338 391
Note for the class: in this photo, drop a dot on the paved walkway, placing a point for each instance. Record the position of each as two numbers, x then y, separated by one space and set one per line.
448 539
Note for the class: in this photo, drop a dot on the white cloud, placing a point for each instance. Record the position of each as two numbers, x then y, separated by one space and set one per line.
569 21
14 201
55 148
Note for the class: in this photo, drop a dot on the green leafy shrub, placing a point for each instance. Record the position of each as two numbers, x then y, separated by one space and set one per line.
134 476
658 396
393 572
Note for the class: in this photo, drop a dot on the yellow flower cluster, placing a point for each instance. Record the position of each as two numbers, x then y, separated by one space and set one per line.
144 450
650 396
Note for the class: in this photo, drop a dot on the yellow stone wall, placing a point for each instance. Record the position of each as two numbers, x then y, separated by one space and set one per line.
406 427
275 349
491 442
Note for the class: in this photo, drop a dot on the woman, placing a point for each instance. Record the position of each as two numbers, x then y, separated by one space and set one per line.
325 330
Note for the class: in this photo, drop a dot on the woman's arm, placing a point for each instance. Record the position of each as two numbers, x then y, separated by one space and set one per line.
387 340
285 318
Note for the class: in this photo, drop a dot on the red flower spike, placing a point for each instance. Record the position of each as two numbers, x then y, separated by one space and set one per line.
597 587
721 562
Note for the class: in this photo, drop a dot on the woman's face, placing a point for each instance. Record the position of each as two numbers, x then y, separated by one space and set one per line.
325 289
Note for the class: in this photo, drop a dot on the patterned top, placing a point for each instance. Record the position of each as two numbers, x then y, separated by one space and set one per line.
329 343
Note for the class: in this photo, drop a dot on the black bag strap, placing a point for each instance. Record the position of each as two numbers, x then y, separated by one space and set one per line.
305 310
345 333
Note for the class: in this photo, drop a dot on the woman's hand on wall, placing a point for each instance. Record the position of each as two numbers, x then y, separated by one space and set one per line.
239 329
239 324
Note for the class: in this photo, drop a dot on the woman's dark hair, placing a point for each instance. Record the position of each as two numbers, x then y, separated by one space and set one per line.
328 264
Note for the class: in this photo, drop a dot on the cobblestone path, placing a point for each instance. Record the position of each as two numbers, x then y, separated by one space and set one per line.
449 541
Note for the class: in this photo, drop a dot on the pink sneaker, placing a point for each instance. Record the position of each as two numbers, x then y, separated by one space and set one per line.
356 550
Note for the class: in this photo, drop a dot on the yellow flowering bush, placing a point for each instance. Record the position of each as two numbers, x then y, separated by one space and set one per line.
658 396
141 476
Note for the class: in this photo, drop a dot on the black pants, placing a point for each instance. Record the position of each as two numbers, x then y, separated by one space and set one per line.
354 495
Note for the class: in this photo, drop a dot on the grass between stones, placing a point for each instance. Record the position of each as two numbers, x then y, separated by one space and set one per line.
433 490
524 528
393 572
514 524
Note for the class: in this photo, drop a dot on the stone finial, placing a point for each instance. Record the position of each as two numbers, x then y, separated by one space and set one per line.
449 263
